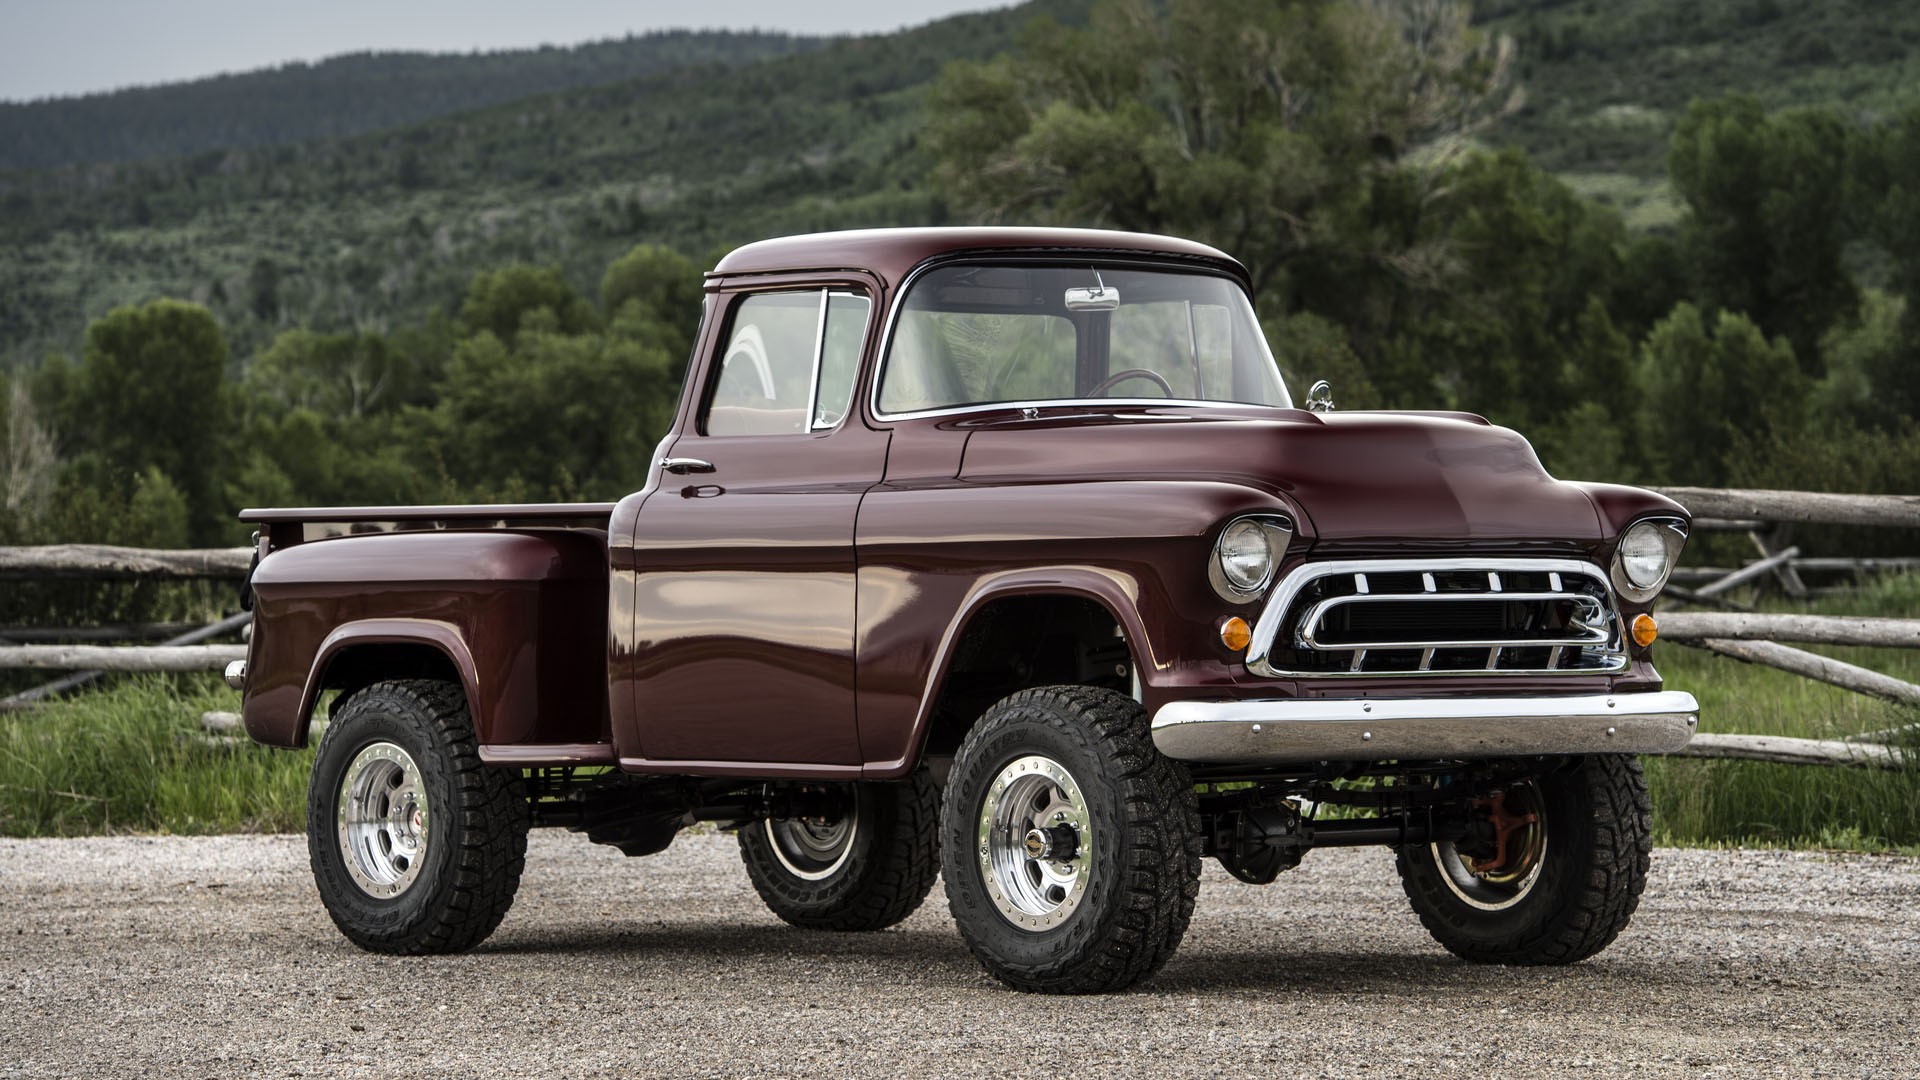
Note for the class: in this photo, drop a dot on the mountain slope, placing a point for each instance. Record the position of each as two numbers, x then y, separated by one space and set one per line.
344 95
377 229
385 226
1606 79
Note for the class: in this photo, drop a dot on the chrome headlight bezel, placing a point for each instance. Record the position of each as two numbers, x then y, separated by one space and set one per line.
1648 538
1272 533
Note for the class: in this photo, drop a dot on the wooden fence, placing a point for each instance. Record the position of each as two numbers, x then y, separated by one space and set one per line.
1768 517
180 646
1733 631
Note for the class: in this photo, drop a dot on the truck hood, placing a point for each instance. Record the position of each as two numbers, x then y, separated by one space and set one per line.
1357 477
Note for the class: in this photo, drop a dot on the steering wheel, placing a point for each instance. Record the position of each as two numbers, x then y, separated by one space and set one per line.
1115 379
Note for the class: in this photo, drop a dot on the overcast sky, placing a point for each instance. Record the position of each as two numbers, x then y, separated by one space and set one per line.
61 47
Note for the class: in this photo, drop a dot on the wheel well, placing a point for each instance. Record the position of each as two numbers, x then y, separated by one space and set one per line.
1018 642
359 666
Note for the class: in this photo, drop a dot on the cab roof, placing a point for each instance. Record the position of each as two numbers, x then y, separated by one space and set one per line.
893 253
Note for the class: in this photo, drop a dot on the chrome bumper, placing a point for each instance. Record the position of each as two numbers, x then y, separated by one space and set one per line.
1420 729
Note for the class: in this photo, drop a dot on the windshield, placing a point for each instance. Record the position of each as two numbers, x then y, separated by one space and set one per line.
979 335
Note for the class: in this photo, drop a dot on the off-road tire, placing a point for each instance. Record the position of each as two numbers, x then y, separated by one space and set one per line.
1598 843
883 873
1144 864
475 828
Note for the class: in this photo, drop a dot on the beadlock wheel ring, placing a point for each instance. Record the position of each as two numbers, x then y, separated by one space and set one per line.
1034 794
383 820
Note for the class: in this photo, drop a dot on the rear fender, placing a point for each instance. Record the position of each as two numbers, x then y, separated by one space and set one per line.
516 619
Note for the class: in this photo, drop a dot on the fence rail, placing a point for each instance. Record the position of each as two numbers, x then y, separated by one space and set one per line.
1767 516
136 658
1745 507
121 657
103 561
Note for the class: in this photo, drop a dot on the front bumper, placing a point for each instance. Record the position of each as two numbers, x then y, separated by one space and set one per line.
1423 729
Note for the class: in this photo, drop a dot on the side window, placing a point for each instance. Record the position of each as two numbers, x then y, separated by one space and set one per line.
789 365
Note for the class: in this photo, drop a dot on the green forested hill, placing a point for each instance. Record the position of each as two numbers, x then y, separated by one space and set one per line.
368 231
374 230
344 95
1606 79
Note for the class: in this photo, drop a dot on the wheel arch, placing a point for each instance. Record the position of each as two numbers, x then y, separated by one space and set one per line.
358 654
1073 593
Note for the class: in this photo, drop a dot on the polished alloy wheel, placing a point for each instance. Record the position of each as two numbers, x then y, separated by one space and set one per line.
1035 843
1504 878
383 820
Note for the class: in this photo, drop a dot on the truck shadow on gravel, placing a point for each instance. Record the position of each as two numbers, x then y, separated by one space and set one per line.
733 942
940 959
1364 972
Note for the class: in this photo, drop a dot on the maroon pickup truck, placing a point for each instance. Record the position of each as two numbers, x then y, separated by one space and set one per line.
1003 554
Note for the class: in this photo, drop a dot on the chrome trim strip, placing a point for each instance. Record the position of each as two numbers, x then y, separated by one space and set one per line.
819 346
1311 623
1302 730
1269 626
1081 403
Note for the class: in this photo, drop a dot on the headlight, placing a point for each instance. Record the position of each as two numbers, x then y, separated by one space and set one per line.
1246 555
1645 556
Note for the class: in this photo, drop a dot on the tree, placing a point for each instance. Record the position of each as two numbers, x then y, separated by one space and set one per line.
1770 215
654 291
501 301
1253 125
263 289
1889 168
553 415
1519 332
31 463
153 394
1711 392
339 375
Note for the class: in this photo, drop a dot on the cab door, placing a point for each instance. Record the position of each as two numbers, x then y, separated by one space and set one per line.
744 554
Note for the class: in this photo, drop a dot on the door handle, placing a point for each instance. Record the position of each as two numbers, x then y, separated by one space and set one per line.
684 465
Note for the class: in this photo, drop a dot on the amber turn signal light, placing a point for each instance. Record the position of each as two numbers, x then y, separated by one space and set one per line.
1644 631
1235 634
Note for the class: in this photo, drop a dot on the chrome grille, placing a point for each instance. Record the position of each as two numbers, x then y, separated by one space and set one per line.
1439 617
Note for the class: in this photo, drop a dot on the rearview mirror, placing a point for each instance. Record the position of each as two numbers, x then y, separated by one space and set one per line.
1093 298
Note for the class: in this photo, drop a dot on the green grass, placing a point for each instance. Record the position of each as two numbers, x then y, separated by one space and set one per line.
132 758
1699 802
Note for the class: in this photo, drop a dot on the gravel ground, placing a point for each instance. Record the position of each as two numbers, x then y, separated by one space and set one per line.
212 957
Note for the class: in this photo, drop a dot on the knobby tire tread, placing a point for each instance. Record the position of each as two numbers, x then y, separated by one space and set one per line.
490 842
1160 881
884 887
1600 896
